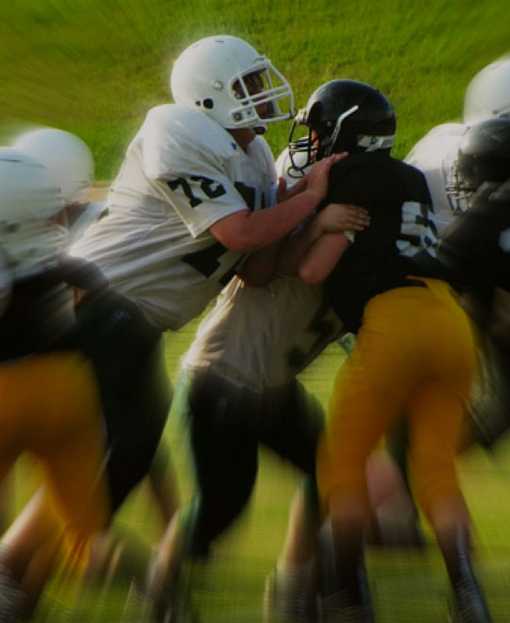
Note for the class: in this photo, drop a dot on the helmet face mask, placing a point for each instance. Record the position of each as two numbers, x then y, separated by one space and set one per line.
343 115
230 82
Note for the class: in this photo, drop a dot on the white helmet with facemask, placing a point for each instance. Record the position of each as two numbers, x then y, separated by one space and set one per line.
232 83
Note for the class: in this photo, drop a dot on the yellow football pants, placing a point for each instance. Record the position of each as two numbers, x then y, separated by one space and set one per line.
415 353
49 406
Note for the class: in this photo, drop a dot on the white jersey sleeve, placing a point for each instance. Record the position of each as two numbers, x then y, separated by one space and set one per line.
82 217
259 337
435 155
182 172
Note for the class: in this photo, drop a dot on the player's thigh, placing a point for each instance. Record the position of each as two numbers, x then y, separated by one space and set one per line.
223 436
72 446
292 421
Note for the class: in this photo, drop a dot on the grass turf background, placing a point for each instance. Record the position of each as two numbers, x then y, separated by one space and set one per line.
93 67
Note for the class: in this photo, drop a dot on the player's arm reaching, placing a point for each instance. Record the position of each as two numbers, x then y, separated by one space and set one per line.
324 234
245 231
314 251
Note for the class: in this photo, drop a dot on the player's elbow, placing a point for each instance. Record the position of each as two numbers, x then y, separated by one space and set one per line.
311 274
234 233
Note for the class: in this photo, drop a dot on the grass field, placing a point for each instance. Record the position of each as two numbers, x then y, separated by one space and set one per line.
409 586
94 66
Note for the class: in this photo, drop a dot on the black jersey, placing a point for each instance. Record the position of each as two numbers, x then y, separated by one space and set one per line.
400 241
477 248
40 314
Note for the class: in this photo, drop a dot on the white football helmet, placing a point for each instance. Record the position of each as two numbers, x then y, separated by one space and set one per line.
488 94
67 158
29 238
232 83
27 189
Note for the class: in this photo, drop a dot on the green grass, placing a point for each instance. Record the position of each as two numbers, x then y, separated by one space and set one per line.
408 586
94 67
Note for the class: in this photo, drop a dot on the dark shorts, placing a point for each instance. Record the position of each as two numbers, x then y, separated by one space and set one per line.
227 425
128 356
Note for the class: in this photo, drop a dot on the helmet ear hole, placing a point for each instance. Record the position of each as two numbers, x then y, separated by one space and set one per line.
208 103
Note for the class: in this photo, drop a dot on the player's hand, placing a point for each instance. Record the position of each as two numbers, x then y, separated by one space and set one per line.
282 192
342 217
317 178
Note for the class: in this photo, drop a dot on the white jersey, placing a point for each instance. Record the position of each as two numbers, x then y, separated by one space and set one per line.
182 173
32 246
81 217
435 155
262 337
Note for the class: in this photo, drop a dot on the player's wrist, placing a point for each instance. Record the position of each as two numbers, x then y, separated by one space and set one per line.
313 196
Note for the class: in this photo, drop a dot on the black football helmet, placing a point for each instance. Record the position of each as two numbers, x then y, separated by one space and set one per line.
483 157
342 115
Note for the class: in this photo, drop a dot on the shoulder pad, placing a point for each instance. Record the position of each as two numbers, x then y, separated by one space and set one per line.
178 138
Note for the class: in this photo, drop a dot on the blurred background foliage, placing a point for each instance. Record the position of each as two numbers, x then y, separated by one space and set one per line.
94 67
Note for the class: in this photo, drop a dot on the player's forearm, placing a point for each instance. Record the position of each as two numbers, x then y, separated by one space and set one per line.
322 257
296 247
261 266
247 232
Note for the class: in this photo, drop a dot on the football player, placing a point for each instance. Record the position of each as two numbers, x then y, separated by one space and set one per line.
49 399
415 351
183 210
238 389
436 155
130 424
487 96
477 250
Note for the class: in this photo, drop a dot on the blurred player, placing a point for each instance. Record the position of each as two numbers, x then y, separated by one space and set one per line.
414 351
477 251
49 400
487 96
240 391
130 422
436 155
